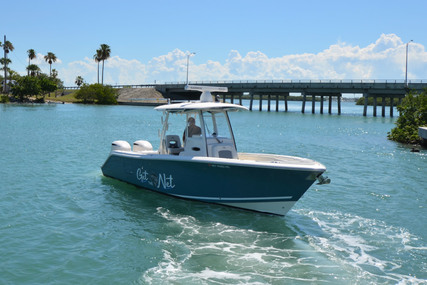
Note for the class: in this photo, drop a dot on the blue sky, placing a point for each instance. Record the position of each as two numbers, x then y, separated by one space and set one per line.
233 40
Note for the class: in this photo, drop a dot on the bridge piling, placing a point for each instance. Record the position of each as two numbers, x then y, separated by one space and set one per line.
330 105
303 102
269 101
365 105
375 106
260 102
277 103
286 103
313 104
339 104
383 107
251 101
391 106
321 104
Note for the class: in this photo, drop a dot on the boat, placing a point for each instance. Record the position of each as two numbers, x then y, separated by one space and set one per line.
422 132
198 160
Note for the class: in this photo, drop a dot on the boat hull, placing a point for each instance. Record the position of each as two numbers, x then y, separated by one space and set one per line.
263 187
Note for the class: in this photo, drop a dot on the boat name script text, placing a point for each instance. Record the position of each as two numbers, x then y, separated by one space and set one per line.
160 180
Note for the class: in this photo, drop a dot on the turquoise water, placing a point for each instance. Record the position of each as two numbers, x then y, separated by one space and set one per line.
62 222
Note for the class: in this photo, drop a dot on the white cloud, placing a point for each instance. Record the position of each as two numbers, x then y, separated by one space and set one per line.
383 59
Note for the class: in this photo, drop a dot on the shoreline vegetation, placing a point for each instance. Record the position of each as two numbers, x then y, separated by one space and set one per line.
413 115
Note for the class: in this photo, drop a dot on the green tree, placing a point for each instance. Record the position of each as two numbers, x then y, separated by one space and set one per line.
33 86
26 86
97 57
97 93
413 114
31 55
54 73
47 85
50 58
105 54
33 70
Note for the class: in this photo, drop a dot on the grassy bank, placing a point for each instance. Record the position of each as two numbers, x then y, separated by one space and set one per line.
68 97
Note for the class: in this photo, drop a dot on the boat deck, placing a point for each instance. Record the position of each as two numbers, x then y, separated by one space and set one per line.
275 158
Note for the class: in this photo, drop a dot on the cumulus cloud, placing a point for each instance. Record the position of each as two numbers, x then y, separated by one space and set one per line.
383 59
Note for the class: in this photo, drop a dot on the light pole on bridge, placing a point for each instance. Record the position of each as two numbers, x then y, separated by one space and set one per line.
188 59
406 70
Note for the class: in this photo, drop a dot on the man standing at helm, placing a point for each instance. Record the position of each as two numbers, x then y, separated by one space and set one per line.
192 129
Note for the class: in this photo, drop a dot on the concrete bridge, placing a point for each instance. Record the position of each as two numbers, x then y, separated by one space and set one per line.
280 90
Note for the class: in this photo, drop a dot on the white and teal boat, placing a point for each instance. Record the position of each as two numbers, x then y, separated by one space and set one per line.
198 160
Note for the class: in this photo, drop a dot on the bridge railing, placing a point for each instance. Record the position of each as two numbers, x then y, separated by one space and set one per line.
286 81
389 81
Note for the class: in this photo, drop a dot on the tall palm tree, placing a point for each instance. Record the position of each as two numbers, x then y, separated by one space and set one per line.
97 57
105 54
50 58
7 47
31 55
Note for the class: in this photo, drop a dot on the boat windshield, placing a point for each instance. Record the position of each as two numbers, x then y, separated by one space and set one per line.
216 124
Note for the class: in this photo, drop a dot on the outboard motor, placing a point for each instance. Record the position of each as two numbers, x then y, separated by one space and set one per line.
120 146
142 145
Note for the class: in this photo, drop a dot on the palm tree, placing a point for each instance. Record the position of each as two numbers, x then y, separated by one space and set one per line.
79 81
33 70
7 47
105 54
97 57
50 58
31 55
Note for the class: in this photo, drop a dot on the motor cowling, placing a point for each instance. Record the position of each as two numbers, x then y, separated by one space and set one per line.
142 145
120 146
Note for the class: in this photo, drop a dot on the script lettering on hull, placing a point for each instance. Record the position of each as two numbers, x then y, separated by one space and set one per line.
157 180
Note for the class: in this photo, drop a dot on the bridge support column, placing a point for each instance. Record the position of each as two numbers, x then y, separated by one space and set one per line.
375 106
339 104
391 106
365 106
240 99
277 103
313 104
232 98
330 105
223 98
321 104
286 103
269 101
252 100
304 97
383 107
260 102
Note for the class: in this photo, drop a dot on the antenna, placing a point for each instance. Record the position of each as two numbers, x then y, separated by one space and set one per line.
206 91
